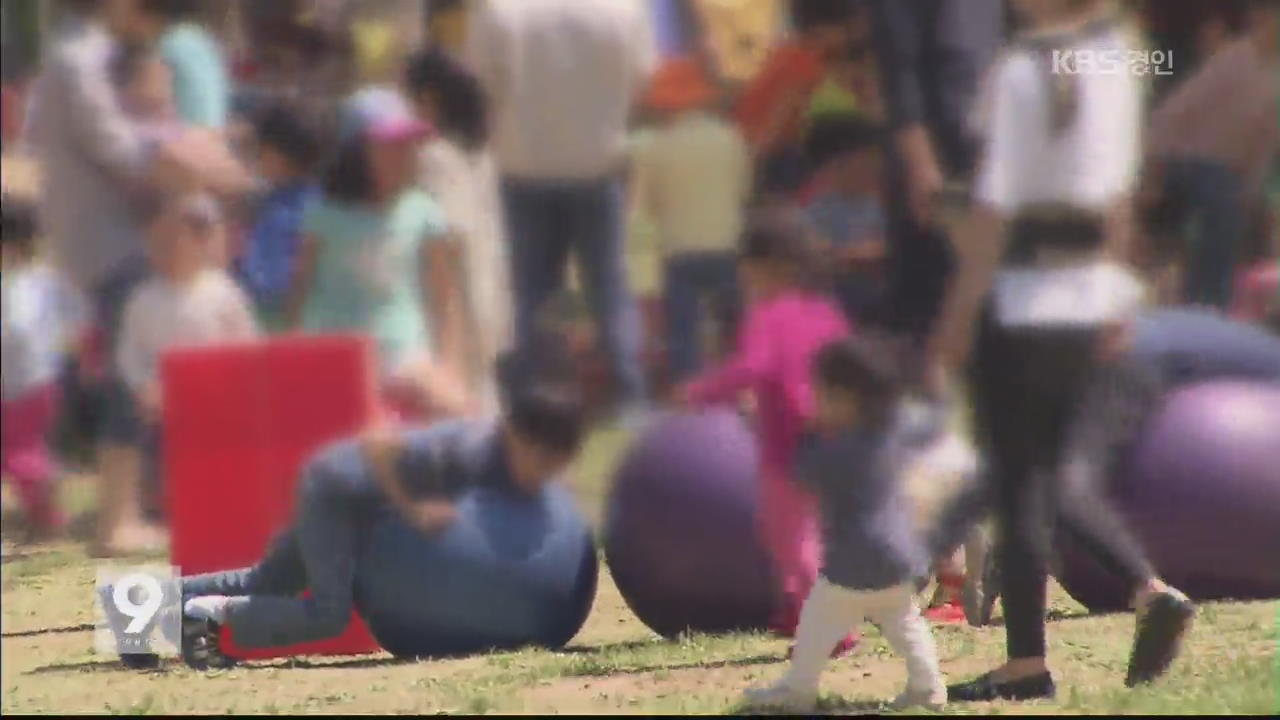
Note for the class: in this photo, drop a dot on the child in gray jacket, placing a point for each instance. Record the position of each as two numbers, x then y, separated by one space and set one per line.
873 551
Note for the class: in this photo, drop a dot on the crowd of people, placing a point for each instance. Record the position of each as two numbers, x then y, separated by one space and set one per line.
830 196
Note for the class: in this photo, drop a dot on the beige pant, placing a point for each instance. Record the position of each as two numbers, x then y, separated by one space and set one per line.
830 612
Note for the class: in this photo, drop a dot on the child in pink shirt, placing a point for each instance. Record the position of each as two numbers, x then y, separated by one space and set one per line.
785 324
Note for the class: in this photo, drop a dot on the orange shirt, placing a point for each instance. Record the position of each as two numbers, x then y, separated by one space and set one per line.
791 68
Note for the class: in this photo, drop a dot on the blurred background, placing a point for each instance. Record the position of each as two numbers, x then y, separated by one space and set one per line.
788 82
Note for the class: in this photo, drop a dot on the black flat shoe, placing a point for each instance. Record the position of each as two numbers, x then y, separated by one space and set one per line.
202 645
985 689
1161 626
141 661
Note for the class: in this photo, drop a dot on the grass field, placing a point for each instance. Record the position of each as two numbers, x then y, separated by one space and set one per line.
615 665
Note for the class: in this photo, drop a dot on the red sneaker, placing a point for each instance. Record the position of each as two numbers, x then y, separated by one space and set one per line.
846 646
950 613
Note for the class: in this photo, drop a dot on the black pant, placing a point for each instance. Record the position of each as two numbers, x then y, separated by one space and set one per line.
919 264
1027 386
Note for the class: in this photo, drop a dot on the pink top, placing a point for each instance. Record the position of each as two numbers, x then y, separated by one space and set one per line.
778 341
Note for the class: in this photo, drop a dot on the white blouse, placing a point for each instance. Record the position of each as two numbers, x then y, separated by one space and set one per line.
465 184
1091 164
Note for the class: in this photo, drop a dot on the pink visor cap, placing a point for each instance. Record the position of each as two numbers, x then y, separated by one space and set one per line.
382 114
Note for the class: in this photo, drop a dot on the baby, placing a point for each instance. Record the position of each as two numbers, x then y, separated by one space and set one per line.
188 301
873 550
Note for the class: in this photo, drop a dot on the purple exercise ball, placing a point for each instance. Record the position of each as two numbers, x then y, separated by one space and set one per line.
680 535
1202 493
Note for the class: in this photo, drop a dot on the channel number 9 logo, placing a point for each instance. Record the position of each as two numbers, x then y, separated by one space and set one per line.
139 613
136 603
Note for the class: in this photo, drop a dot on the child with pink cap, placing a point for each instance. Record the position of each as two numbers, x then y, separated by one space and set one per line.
374 258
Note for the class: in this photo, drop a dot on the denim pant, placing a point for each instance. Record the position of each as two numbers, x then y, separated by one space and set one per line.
690 282
1214 199
318 553
547 220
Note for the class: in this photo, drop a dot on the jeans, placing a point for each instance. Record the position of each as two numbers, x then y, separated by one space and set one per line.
1216 213
318 553
690 282
1028 385
548 220
831 611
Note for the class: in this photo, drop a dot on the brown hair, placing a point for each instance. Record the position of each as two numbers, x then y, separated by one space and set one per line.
783 237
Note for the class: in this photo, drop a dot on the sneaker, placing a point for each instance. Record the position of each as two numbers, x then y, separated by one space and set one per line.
780 697
202 645
949 614
928 699
846 646
986 689
1161 625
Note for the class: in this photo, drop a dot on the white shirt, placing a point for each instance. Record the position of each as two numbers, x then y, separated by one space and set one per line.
1090 164
41 314
162 316
562 76
694 177
465 183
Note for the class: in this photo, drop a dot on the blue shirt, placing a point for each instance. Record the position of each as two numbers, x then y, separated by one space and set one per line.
441 459
869 538
201 88
846 221
270 255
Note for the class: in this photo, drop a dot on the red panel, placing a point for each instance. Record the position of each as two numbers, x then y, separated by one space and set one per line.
239 423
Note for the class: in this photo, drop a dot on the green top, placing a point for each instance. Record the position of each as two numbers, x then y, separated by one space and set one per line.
201 88
832 98
369 270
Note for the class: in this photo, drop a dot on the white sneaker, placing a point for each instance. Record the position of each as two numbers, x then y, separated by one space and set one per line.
208 607
780 697
929 699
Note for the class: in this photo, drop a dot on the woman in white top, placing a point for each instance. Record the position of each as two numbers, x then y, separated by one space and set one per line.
458 170
1042 260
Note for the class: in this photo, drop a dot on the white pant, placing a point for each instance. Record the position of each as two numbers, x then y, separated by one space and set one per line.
831 611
